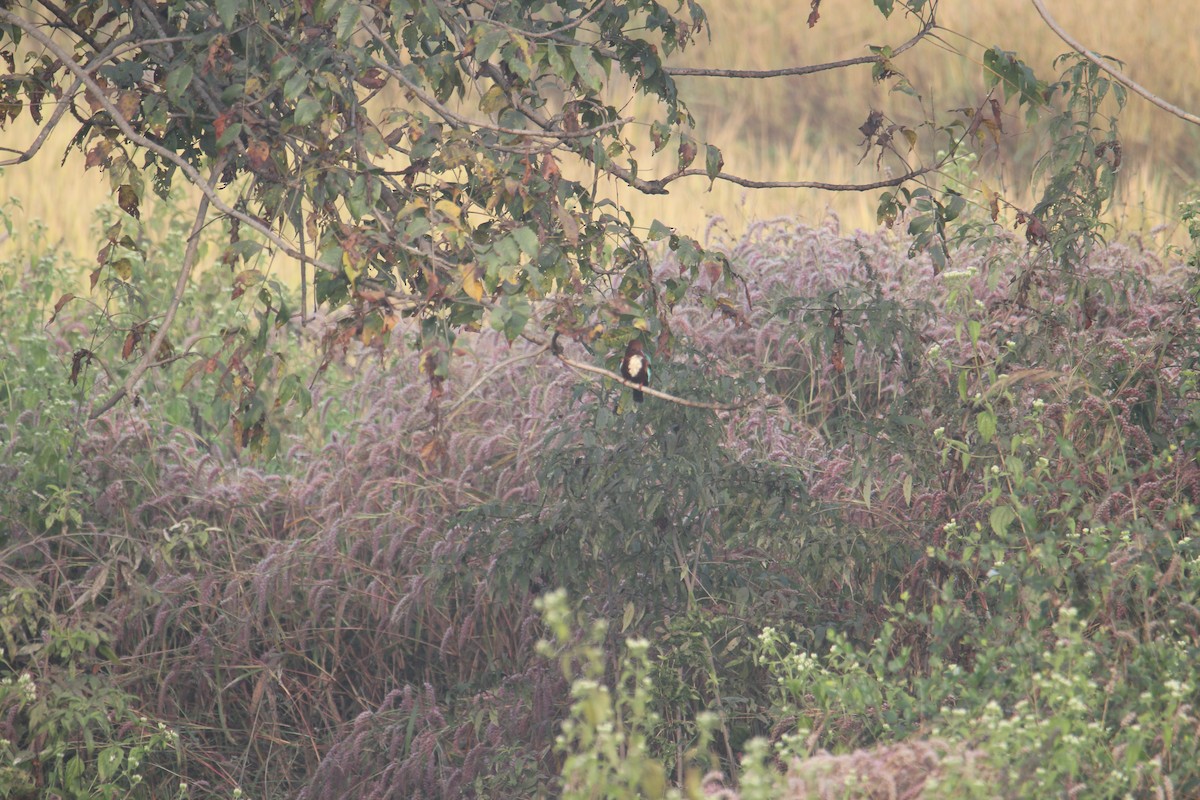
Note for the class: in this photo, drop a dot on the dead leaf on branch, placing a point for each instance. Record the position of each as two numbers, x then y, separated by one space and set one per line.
62 301
81 357
815 15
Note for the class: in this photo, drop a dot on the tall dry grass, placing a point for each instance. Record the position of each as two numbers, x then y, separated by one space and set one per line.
806 128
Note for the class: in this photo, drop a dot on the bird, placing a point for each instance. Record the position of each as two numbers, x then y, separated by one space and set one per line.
635 367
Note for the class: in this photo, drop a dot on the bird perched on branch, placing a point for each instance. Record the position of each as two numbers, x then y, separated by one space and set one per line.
635 367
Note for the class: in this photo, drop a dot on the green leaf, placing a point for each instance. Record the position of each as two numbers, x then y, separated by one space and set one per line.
307 110
1000 518
713 161
658 231
487 44
178 80
348 20
974 328
885 6
985 422
295 86
581 59
688 251
521 312
227 11
527 240
229 135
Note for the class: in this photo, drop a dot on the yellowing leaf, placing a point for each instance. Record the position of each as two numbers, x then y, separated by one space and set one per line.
124 269
128 104
352 270
448 209
494 100
471 283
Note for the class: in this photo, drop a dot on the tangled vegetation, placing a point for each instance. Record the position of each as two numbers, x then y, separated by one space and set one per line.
955 550
909 513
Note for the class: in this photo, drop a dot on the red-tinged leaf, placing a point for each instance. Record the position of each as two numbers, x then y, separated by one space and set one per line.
660 132
62 301
872 126
94 102
433 451
35 105
128 104
131 340
687 152
221 123
94 277
98 155
815 15
191 372
219 58
258 152
570 119
373 78
838 359
996 117
127 199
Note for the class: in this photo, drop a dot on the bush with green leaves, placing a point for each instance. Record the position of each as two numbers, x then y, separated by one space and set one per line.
67 729
927 475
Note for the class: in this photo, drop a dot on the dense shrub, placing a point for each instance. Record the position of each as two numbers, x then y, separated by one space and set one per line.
962 507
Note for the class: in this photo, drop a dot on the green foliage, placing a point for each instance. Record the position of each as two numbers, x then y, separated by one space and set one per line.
607 738
39 415
1081 166
415 148
68 731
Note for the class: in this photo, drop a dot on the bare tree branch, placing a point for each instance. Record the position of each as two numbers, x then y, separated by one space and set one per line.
830 187
581 367
1116 74
705 72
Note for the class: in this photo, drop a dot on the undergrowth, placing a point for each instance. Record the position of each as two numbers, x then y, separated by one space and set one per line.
945 545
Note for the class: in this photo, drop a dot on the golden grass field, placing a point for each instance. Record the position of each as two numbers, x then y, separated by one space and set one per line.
805 128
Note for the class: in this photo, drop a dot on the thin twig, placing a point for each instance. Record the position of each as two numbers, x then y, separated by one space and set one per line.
191 172
831 187
704 72
548 34
577 365
458 119
1116 74
62 106
185 273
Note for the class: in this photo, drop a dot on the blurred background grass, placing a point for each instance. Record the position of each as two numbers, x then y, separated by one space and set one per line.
806 128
